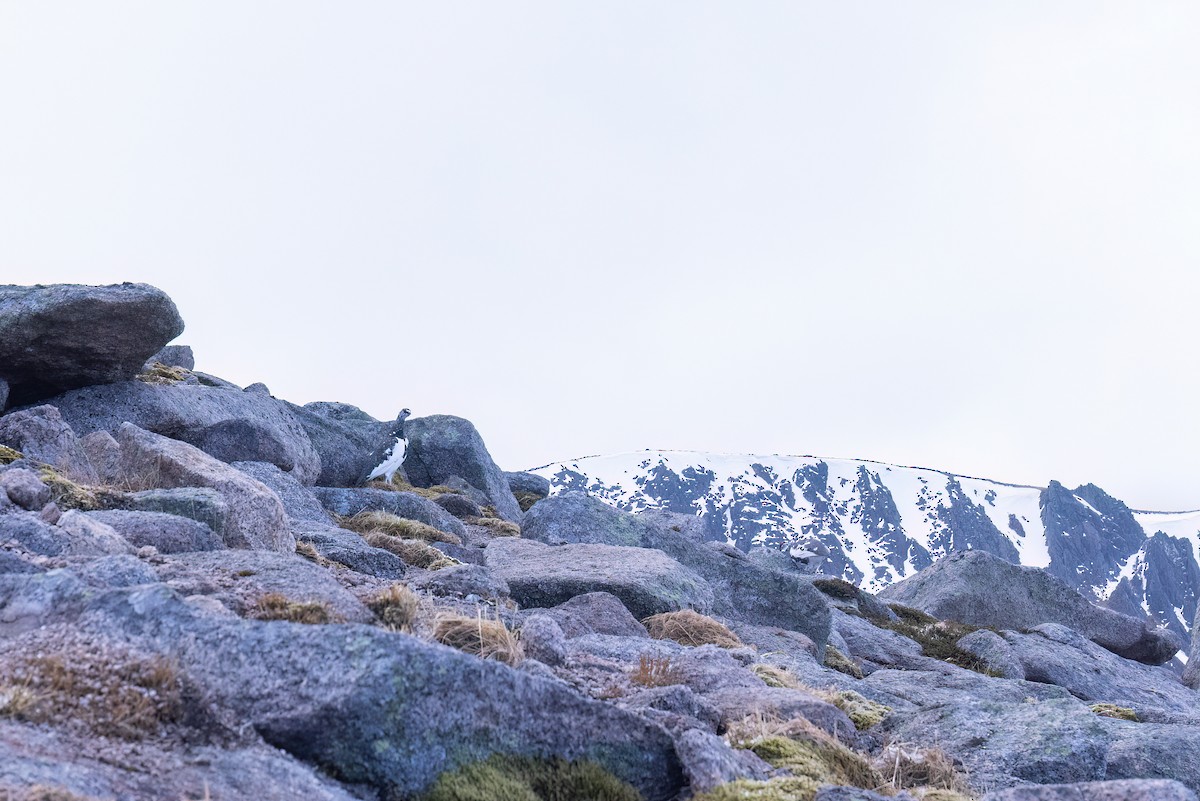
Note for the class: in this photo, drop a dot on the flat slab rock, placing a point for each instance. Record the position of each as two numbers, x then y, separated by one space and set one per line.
1129 790
646 581
63 336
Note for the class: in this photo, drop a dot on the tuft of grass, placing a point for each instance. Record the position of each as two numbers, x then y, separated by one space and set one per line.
501 528
913 616
838 661
487 639
112 691
1114 711
938 638
863 712
309 552
689 627
773 676
414 552
781 789
518 778
396 607
526 500
837 588
276 606
9 455
929 769
365 523
159 373
400 485
655 671
67 494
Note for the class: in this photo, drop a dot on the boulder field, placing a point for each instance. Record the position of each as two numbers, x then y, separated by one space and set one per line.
199 600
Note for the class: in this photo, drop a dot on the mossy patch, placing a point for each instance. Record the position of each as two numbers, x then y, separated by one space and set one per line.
414 552
774 676
365 523
276 606
526 500
838 661
784 789
689 627
837 588
938 638
863 712
1114 711
516 778
8 455
69 495
501 528
159 373
819 757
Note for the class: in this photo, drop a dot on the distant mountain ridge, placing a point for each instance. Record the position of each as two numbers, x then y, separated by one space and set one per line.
884 522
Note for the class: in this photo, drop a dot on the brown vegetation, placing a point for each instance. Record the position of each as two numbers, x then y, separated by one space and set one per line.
655 671
414 552
365 523
487 639
396 607
688 627
276 606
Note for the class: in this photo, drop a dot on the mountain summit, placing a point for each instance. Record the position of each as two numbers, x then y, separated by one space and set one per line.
883 522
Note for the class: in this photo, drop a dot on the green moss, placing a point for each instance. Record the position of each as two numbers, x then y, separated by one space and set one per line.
8 455
514 778
821 759
840 662
785 789
863 712
1114 711
773 676
913 616
938 638
69 495
837 588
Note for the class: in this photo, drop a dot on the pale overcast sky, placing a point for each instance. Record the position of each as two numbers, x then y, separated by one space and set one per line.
955 235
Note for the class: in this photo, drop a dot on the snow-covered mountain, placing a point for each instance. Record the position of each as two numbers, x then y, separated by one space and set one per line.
884 522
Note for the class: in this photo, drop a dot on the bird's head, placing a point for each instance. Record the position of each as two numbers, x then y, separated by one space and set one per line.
404 413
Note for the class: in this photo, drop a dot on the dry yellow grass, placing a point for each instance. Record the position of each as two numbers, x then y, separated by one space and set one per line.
365 523
276 606
655 671
487 639
414 552
400 485
906 767
8 455
159 373
688 627
501 528
396 607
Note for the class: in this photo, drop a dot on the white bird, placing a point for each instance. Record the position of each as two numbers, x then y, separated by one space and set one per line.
393 457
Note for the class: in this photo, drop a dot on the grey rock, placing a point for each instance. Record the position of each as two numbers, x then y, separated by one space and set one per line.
1191 673
1005 743
460 506
256 518
875 647
103 455
345 437
1135 790
29 601
121 570
856 794
258 388
1054 654
741 589
33 534
202 504
464 580
238 579
3 394
708 761
299 501
529 483
595 613
544 640
349 502
349 549
235 425
168 533
681 701
646 581
90 537
25 488
42 436
441 446
150 771
50 513
995 652
173 356
736 703
1153 751
56 338
11 563
347 697
981 589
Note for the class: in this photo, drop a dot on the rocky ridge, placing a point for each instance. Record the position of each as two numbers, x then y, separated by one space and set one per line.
197 601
